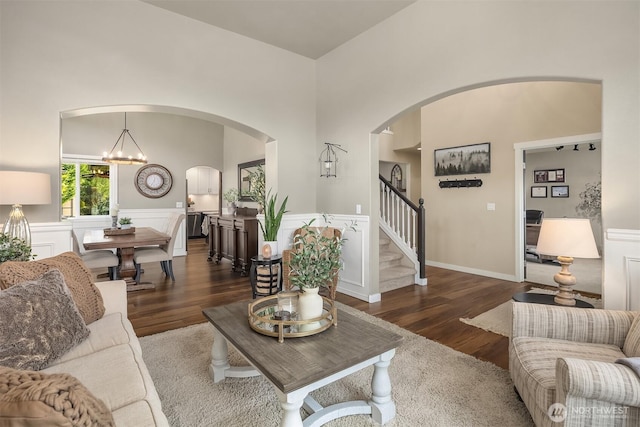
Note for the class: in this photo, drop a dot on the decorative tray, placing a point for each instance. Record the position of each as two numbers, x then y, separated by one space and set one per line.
261 319
118 231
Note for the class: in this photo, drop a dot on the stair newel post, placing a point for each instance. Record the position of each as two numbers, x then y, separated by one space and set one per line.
421 239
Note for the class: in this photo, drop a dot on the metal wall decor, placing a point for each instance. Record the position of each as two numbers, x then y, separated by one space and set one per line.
329 160
461 183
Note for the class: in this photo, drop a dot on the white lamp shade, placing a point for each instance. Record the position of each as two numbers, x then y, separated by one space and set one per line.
570 237
25 188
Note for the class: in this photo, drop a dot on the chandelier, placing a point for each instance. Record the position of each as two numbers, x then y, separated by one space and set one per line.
117 156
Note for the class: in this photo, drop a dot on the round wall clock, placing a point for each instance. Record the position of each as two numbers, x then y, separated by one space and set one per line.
153 181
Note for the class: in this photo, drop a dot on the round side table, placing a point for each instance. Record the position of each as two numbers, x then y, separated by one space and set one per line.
266 275
546 299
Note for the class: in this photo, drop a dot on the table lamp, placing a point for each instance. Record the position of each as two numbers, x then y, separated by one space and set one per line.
23 188
566 238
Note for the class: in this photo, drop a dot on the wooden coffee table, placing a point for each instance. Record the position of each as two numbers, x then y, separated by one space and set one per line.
300 365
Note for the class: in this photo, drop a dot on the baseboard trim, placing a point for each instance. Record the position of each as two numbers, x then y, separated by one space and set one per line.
462 269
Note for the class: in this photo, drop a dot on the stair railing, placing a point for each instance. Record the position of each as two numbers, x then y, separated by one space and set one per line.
405 221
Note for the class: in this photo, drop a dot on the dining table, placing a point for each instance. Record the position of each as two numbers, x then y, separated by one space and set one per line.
125 244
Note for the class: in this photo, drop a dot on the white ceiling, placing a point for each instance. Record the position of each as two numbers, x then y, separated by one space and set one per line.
307 27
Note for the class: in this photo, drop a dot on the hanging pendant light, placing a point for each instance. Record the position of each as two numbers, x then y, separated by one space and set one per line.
329 160
117 154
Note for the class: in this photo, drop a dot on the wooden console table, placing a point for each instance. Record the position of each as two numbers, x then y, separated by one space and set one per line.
234 238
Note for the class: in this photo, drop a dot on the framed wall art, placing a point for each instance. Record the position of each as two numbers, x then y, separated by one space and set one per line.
560 191
244 183
548 175
463 160
538 191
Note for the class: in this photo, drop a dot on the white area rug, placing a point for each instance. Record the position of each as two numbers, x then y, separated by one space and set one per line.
433 385
498 319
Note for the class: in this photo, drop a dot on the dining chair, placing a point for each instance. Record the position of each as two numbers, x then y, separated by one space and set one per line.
95 259
162 253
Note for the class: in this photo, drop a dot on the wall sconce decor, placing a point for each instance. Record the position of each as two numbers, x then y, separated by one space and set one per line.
118 157
461 183
23 188
329 160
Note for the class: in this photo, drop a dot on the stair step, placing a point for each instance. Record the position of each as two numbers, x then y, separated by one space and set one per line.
396 277
388 259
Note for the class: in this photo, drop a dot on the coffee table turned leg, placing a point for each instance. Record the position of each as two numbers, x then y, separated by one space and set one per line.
383 409
219 368
291 407
219 357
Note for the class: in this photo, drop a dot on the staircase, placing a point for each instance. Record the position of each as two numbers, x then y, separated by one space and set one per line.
396 271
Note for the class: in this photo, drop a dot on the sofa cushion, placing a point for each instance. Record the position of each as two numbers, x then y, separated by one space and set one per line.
40 322
76 275
116 375
112 329
632 342
536 359
29 398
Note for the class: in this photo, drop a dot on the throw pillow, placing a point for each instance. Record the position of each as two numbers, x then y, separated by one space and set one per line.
76 274
39 322
29 398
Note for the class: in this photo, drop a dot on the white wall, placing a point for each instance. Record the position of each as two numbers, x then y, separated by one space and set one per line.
444 47
63 55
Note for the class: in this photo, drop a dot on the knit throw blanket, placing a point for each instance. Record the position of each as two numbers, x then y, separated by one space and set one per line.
52 399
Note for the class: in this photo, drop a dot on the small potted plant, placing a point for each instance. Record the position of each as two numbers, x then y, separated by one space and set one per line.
272 221
14 249
231 197
125 222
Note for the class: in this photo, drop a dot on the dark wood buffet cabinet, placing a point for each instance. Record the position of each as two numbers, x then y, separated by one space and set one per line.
234 238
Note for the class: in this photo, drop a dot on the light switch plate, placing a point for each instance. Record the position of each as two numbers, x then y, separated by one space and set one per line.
491 206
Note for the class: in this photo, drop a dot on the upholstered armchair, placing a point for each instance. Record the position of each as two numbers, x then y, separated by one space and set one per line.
567 355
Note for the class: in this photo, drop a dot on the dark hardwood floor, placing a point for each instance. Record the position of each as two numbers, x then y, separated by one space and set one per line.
432 311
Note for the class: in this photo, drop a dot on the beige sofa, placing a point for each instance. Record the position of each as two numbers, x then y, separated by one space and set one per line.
564 358
109 364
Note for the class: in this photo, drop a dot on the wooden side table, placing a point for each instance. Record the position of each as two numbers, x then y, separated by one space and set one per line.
266 275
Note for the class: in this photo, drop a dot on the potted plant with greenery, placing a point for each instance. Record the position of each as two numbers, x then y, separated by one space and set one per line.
314 263
14 249
125 222
231 197
272 221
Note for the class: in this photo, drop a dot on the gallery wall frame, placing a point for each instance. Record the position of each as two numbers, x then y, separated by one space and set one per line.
462 160
538 191
548 175
560 191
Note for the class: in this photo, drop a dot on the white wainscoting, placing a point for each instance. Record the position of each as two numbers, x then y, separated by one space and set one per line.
354 278
50 238
53 238
621 290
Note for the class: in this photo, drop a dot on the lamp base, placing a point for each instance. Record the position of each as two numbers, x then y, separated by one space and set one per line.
565 281
17 225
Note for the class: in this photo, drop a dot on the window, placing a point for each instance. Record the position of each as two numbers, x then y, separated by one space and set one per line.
86 186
